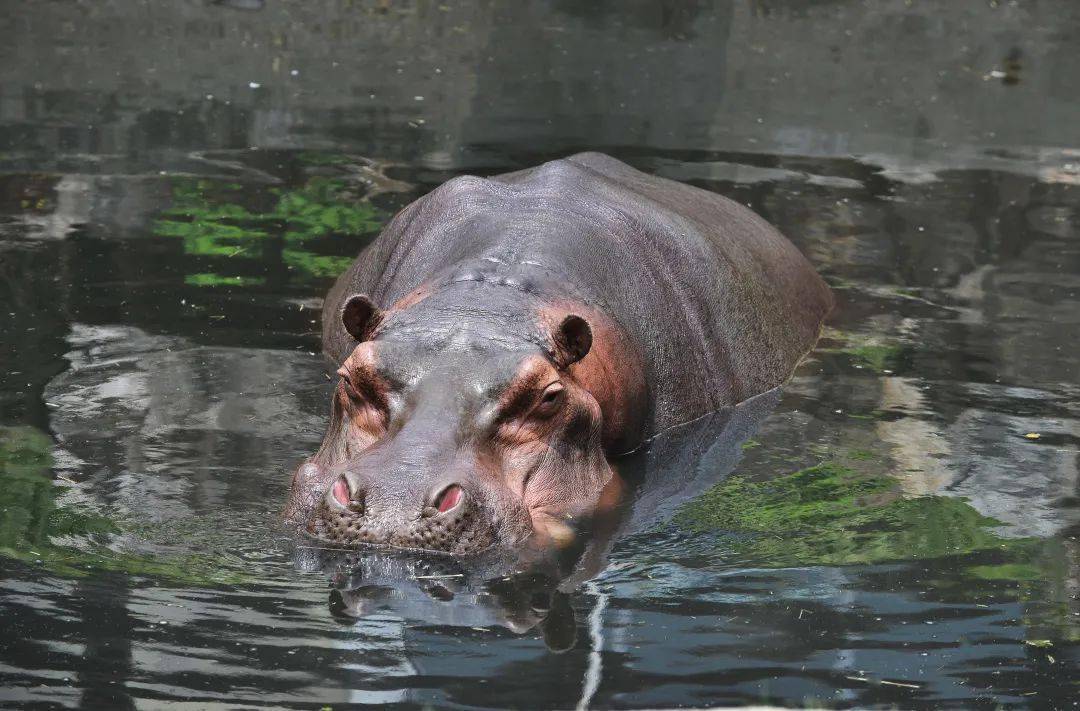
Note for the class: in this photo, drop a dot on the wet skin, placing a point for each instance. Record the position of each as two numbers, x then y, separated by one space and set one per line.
503 340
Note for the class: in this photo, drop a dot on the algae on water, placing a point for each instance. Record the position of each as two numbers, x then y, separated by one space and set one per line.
874 352
829 514
207 216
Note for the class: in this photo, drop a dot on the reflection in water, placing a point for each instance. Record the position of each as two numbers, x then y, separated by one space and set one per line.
901 530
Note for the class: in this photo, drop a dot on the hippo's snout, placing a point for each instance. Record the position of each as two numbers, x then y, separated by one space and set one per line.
448 520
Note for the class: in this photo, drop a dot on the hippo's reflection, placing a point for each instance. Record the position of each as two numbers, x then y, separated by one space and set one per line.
480 592
526 588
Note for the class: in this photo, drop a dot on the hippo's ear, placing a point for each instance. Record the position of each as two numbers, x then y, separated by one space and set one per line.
360 316
573 339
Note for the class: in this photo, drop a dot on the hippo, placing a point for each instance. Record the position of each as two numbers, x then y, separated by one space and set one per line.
505 340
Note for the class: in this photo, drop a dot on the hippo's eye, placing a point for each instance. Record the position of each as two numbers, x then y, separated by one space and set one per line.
549 400
347 386
351 391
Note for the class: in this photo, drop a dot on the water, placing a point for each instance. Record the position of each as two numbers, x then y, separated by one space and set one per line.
898 528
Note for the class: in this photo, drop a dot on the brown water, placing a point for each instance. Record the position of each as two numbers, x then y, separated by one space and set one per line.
899 528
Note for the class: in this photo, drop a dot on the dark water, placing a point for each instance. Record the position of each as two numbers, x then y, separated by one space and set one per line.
178 187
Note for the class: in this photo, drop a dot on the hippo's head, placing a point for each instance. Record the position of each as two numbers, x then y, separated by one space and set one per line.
454 430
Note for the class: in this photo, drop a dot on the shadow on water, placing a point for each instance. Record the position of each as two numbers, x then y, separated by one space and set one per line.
177 192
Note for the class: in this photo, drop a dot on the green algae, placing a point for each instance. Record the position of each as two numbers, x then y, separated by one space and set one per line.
877 358
875 352
220 280
831 514
312 266
219 220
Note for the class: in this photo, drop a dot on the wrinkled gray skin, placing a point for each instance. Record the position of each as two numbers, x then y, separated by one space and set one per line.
690 302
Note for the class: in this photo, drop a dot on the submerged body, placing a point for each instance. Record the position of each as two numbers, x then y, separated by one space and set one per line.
504 338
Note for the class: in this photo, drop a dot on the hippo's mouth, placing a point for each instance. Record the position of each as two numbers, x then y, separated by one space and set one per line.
461 531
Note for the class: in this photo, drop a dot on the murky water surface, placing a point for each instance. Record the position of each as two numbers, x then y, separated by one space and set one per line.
899 527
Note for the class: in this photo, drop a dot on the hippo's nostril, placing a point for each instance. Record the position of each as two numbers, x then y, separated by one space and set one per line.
341 492
343 496
448 498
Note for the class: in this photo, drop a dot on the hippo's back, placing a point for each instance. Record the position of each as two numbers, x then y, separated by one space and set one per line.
720 304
